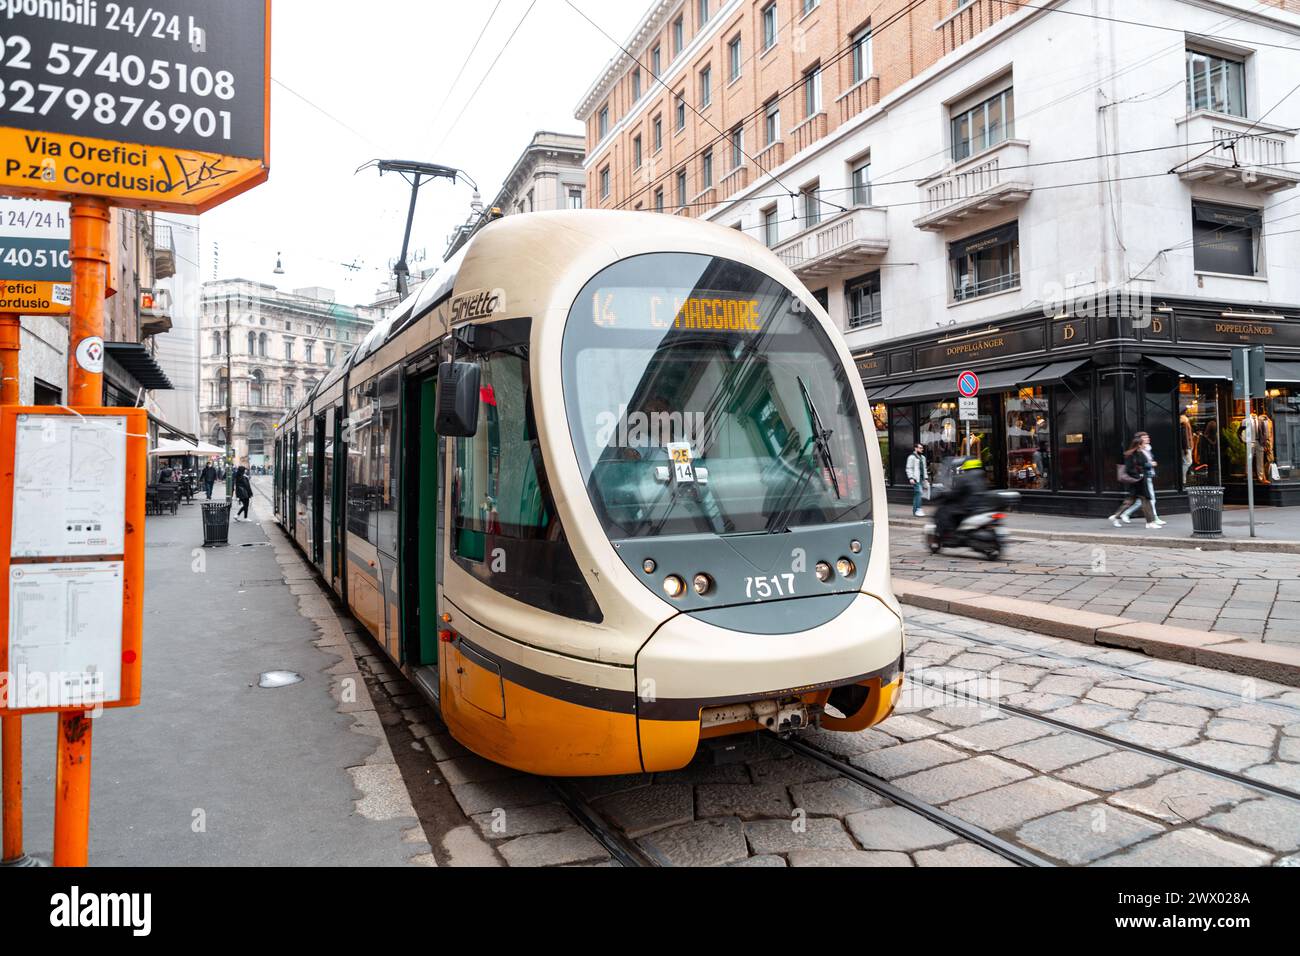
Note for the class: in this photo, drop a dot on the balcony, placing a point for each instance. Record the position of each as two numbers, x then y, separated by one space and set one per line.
1231 151
985 182
772 156
858 98
808 132
164 253
845 240
155 311
705 201
734 181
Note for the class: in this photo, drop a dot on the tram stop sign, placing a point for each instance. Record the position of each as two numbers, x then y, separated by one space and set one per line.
35 265
162 105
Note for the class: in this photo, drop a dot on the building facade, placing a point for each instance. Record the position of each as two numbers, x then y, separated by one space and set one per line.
275 347
1074 200
547 175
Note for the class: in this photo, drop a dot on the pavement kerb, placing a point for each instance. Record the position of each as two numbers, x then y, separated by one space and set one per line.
1221 651
1138 541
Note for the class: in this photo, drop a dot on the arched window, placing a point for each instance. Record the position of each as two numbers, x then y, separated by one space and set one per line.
257 439
252 340
288 396
261 344
221 386
255 388
216 343
219 436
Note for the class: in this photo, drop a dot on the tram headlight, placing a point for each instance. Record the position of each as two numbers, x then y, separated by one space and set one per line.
855 545
824 572
648 565
703 583
674 586
845 567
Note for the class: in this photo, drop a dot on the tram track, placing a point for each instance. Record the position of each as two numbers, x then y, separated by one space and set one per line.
939 817
623 849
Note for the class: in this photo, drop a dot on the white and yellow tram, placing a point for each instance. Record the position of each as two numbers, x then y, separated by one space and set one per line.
604 486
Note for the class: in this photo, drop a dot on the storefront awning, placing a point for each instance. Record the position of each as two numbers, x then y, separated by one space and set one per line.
1282 371
883 391
1002 380
944 387
1195 368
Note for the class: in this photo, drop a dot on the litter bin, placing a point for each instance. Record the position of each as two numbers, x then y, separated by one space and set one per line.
1207 511
216 523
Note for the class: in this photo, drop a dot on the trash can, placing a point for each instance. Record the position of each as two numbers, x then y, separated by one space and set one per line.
1207 511
216 523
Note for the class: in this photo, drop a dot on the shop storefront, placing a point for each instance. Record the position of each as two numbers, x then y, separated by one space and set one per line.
1060 397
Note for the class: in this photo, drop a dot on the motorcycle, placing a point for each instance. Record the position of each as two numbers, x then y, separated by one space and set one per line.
982 530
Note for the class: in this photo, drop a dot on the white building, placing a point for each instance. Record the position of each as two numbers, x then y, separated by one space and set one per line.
972 215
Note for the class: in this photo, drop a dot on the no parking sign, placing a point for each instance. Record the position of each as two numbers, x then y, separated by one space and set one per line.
968 384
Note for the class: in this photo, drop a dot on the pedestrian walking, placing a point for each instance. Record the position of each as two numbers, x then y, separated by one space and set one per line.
209 478
243 491
1139 473
917 475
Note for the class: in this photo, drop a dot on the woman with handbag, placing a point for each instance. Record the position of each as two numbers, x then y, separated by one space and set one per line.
1138 472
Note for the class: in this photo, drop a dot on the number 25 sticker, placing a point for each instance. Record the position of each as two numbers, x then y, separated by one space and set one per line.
680 453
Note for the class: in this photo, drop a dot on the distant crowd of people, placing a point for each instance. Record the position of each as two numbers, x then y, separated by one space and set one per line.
213 472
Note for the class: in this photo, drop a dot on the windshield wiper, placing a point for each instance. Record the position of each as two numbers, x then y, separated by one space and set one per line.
822 437
820 440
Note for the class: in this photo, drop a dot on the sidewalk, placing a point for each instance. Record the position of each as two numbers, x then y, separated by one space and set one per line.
211 769
1277 529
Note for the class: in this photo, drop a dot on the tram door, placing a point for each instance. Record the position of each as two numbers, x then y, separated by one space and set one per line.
422 519
338 498
321 487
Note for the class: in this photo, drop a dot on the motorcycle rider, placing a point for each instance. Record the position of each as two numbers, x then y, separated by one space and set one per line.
969 485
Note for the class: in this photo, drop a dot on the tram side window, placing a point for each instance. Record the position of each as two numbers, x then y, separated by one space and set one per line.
505 529
356 436
384 465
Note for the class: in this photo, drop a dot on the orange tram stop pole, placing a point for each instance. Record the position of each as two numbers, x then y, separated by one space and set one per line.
89 251
11 746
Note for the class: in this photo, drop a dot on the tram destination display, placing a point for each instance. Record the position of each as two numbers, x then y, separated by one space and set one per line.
161 105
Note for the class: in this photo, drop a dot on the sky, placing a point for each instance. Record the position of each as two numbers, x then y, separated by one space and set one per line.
372 81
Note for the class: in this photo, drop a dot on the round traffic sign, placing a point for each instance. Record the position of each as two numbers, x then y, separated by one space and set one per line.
968 384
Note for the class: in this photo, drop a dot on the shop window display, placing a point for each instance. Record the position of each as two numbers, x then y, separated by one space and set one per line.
1029 439
1262 415
1198 433
1283 406
902 430
880 418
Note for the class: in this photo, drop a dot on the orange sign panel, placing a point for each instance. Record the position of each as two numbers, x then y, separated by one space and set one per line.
158 106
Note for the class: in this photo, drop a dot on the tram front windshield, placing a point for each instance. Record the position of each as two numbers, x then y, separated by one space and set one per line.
703 396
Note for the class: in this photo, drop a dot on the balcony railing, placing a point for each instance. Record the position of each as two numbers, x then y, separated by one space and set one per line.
772 156
735 181
970 19
1231 151
973 290
808 132
844 240
858 98
704 202
985 182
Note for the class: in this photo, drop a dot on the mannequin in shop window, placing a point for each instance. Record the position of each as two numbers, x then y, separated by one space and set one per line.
1262 454
1185 443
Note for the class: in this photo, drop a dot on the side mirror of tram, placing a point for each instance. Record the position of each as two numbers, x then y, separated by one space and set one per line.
458 399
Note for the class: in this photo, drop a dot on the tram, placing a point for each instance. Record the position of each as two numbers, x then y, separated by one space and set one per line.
605 487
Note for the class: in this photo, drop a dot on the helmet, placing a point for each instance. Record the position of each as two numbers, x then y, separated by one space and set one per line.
971 464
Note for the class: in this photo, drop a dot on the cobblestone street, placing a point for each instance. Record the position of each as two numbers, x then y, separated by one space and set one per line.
1253 595
1170 765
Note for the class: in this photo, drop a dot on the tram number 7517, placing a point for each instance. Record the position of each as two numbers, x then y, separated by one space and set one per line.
767 587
